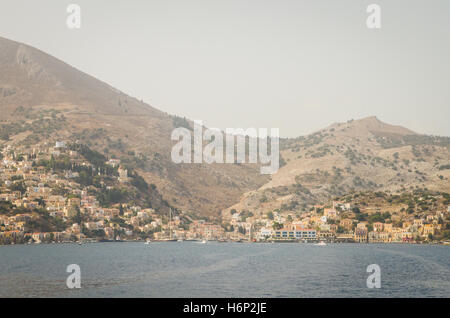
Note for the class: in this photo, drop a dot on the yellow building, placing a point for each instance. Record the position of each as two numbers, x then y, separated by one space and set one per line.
428 229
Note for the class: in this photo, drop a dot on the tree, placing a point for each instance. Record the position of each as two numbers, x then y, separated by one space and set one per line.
77 218
356 210
277 226
40 201
386 215
18 186
98 233
446 234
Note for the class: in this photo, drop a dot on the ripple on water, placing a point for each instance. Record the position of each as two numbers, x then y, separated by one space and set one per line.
224 270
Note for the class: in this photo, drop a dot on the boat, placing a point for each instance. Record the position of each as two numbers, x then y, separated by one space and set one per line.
147 242
321 243
180 240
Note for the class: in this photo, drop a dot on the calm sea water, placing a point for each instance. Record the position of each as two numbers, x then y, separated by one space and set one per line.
189 269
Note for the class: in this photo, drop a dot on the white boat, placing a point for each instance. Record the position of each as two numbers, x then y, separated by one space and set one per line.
147 242
180 240
203 242
321 244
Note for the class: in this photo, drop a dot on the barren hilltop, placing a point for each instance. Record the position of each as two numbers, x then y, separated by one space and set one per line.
358 155
43 99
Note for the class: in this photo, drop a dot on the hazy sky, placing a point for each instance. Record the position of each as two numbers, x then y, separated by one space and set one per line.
296 65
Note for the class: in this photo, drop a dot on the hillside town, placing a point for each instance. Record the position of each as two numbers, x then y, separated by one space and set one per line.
44 197
340 222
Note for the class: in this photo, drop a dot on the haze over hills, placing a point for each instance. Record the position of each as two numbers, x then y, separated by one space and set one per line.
359 155
45 99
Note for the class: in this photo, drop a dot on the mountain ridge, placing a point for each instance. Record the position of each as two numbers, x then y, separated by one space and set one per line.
358 155
44 99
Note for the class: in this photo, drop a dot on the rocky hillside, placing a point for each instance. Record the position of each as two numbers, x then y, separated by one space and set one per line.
43 99
358 155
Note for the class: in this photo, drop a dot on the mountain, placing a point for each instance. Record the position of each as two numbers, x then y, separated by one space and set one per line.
32 78
358 155
44 99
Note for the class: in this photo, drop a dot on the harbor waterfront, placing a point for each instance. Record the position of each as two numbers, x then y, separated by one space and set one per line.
213 269
70 192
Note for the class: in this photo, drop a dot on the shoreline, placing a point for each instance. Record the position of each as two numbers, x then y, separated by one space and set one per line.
216 241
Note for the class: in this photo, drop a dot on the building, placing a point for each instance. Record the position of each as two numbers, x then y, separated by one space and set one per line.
346 224
428 229
387 227
265 233
295 234
330 213
378 227
113 162
37 237
60 144
360 235
379 237
325 235
123 174
341 205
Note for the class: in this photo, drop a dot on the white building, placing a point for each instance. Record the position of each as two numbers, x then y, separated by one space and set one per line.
60 144
123 175
265 233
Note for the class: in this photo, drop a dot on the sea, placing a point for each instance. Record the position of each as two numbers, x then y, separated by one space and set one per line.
195 270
